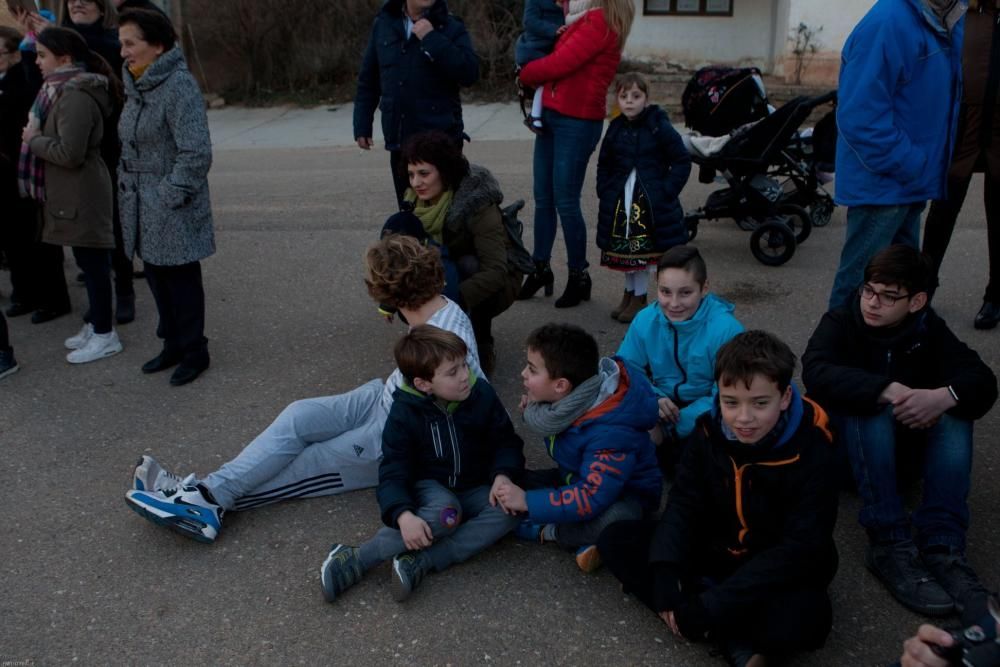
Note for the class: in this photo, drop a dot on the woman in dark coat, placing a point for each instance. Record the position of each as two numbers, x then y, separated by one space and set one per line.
458 206
977 148
97 23
163 187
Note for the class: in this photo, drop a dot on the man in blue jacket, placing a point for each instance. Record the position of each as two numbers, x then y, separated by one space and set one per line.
417 59
900 79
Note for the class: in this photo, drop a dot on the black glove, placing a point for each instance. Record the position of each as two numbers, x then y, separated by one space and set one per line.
692 619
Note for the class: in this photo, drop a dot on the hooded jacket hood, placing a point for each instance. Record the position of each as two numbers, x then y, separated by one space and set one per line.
621 401
477 190
95 85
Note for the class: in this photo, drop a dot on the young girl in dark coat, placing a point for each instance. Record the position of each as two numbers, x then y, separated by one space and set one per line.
641 171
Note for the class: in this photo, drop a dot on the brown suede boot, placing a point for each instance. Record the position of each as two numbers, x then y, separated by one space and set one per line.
634 306
626 299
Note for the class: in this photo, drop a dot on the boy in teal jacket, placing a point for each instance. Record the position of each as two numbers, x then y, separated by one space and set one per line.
675 340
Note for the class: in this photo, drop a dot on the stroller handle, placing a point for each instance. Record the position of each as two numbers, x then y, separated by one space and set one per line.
820 100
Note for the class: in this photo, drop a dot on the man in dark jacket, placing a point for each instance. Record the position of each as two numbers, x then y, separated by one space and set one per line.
418 57
976 149
744 552
894 377
448 444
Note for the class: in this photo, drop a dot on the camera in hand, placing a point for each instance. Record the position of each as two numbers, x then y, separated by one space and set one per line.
975 646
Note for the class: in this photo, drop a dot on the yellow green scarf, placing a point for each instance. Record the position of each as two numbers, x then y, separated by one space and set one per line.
432 216
138 71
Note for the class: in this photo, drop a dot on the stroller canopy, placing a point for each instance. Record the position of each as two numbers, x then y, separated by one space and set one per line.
717 100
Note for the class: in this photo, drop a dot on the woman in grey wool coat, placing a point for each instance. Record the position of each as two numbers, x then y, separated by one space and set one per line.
163 187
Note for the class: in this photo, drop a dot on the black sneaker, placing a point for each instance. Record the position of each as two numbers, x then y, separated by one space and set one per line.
341 570
899 568
8 364
958 579
407 573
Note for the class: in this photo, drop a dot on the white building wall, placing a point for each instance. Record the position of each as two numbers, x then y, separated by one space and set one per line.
758 33
836 19
745 38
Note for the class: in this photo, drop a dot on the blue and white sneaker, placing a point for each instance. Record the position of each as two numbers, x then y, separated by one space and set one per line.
184 510
149 475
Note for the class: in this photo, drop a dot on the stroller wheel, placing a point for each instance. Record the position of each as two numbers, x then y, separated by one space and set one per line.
798 220
772 243
747 224
821 210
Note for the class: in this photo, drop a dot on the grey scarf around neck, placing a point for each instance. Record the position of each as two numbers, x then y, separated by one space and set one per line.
949 11
553 418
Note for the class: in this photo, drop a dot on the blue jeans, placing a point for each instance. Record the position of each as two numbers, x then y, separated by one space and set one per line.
463 523
943 515
869 230
560 164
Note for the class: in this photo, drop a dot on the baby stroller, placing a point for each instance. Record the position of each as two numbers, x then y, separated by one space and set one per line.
771 172
719 100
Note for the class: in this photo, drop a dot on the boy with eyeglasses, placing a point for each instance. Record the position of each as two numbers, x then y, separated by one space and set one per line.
894 377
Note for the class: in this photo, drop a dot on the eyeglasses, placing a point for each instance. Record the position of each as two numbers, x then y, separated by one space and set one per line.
866 292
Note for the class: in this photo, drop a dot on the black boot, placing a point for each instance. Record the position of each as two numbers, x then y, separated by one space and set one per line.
577 290
537 279
125 308
988 316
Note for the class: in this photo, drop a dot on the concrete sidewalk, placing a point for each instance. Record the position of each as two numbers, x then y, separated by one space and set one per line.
235 128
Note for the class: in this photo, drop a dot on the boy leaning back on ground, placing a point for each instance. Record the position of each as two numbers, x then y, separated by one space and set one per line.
316 446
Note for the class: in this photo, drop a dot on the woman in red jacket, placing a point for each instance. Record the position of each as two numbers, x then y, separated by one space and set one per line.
575 76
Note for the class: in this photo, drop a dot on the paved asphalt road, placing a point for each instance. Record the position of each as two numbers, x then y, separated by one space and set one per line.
85 581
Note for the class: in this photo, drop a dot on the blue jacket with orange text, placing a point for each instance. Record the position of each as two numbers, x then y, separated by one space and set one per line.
604 453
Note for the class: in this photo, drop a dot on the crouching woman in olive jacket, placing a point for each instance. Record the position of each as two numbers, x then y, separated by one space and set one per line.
61 166
163 187
458 205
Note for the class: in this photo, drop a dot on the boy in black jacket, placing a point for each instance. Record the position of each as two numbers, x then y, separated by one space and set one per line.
744 552
892 373
447 439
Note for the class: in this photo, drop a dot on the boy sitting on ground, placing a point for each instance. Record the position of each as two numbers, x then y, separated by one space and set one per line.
316 446
675 340
595 414
744 553
897 380
447 446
